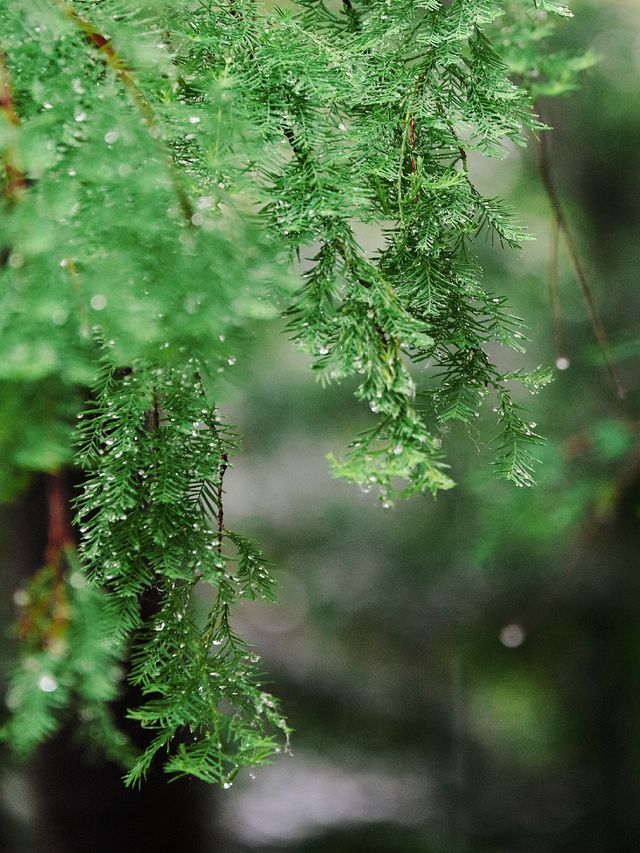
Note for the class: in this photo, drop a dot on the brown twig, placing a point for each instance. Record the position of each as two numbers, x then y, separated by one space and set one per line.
60 535
554 291
412 144
224 464
16 178
574 257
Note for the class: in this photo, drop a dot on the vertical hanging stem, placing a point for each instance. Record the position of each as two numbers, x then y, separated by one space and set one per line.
60 533
558 324
572 252
224 464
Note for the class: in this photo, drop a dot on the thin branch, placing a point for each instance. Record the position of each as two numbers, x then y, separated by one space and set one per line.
60 534
574 257
224 464
558 324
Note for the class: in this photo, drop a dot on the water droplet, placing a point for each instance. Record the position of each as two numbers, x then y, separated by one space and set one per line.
512 636
98 302
21 597
323 350
47 683
80 116
111 136
563 363
194 119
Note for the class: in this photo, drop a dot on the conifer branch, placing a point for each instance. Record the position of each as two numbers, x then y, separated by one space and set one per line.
112 59
348 99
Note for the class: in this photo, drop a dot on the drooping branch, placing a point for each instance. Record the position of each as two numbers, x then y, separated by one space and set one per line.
561 350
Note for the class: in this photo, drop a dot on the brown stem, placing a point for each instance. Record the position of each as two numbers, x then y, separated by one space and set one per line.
154 415
574 257
412 144
60 534
555 291
16 180
224 464
7 104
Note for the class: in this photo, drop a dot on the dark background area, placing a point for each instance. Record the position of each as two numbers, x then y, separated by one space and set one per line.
463 675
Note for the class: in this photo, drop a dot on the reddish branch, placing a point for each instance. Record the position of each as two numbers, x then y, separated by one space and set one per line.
46 616
6 96
60 534
16 179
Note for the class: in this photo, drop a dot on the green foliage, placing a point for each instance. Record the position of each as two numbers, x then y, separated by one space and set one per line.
70 657
152 493
163 163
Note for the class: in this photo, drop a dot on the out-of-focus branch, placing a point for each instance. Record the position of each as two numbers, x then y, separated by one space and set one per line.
576 263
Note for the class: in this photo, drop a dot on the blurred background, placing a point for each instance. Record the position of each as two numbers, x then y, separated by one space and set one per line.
463 676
